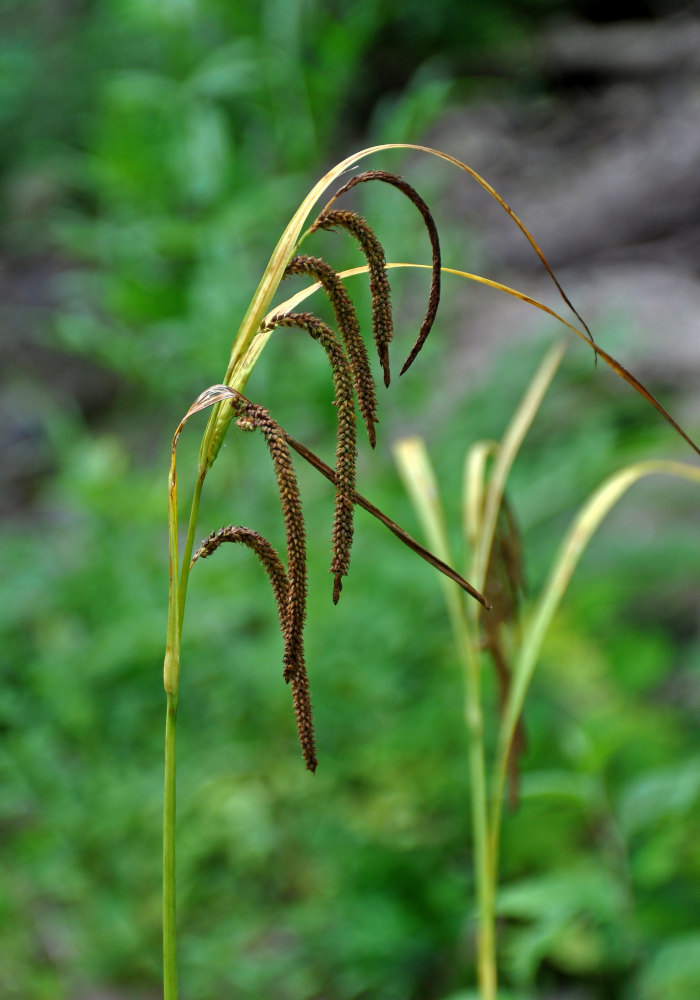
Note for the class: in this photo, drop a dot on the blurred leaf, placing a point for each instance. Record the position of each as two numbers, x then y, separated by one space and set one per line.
663 795
674 971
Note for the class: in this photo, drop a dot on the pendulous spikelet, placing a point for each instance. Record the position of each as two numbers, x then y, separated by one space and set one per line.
265 552
346 451
412 195
349 327
380 290
272 564
251 415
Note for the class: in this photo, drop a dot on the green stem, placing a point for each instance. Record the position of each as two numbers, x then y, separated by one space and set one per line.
178 597
169 930
189 545
419 479
484 870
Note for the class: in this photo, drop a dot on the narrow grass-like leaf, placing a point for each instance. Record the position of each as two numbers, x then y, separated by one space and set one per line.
474 489
421 485
612 362
583 528
505 456
171 666
504 587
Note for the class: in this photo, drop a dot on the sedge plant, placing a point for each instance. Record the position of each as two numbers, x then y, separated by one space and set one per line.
354 390
510 641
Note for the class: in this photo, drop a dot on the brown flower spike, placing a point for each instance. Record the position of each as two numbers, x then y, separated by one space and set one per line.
351 372
346 317
382 321
412 195
346 451
294 651
252 416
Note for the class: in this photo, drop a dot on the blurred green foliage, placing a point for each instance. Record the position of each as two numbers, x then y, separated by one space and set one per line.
155 152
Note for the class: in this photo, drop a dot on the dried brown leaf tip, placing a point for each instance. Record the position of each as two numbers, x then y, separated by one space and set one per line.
380 290
346 317
412 195
504 587
295 668
346 450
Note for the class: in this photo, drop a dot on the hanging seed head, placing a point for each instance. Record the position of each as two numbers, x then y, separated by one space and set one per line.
434 296
346 318
266 553
301 699
346 450
380 290
295 613
294 653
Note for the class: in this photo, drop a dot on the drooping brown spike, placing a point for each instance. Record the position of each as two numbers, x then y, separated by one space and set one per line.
412 195
294 653
346 318
393 527
251 413
294 668
346 451
301 698
265 552
380 290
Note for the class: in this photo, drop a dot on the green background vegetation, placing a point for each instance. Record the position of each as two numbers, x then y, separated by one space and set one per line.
151 156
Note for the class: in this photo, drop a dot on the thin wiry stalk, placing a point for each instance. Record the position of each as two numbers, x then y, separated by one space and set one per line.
346 451
253 416
280 585
434 296
349 327
380 289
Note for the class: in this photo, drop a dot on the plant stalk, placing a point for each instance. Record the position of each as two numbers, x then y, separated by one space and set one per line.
484 869
178 597
419 479
169 930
